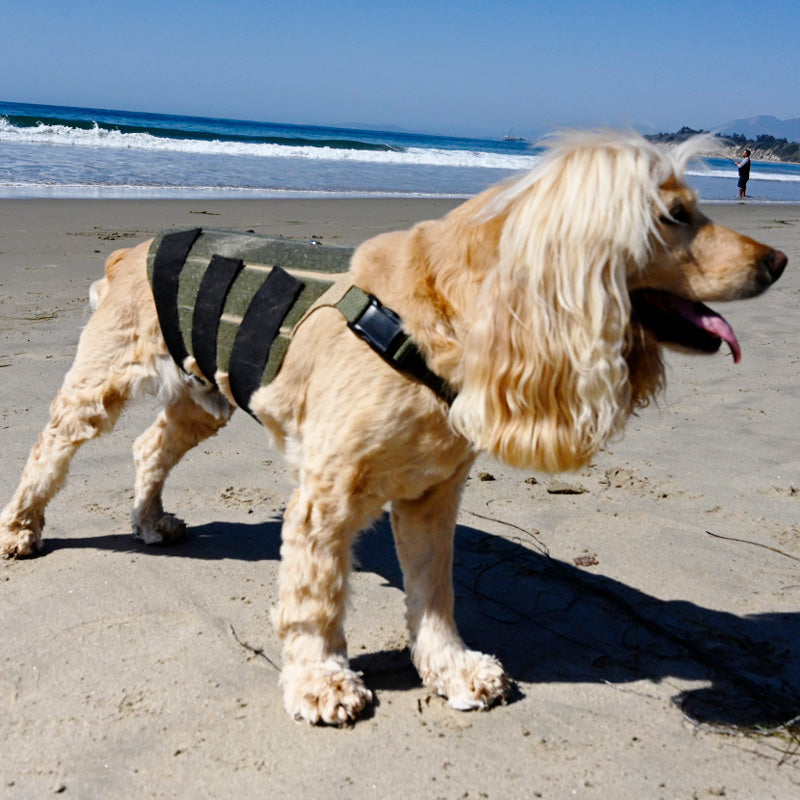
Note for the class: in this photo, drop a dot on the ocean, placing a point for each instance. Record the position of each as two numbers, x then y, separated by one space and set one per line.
58 151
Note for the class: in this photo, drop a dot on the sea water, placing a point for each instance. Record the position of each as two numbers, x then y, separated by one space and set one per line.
56 151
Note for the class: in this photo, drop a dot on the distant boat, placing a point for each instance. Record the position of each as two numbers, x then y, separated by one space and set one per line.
510 138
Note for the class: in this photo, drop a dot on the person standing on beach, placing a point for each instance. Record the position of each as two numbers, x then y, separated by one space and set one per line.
744 172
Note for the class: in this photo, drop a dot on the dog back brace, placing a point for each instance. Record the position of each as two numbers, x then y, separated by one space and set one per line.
230 302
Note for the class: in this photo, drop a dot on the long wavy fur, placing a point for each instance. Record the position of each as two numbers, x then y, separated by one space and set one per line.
547 366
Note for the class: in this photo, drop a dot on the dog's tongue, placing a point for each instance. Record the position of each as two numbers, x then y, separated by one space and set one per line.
706 319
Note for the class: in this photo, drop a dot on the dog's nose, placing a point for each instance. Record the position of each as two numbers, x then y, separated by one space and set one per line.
774 264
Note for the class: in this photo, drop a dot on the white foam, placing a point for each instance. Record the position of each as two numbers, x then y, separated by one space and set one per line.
18 190
97 137
755 174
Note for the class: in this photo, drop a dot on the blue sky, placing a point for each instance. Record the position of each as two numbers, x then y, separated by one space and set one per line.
442 66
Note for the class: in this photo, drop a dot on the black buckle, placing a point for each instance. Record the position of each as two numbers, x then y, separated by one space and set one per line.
380 327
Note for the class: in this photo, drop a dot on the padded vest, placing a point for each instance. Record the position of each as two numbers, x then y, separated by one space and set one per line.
228 302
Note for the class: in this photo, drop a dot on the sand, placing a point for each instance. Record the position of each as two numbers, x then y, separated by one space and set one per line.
644 604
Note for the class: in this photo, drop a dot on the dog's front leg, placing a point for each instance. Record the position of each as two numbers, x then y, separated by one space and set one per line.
423 532
318 529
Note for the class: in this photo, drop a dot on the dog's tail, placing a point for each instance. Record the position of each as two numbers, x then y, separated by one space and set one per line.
99 289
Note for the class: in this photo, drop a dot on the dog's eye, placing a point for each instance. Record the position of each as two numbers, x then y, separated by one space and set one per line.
677 216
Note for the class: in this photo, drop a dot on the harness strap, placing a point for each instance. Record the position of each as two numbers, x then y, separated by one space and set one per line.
211 296
261 323
165 273
382 329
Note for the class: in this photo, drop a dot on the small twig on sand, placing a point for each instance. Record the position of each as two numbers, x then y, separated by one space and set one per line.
254 650
755 544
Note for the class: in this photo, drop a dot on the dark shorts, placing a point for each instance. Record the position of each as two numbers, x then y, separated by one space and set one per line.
742 183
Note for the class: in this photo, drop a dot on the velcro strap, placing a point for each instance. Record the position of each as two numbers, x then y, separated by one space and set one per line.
211 296
167 265
258 329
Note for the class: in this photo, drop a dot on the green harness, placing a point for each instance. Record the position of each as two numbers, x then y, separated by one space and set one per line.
229 302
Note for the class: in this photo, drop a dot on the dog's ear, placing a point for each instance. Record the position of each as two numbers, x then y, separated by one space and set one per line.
545 378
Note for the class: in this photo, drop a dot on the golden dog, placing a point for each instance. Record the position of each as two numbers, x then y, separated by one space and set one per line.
543 302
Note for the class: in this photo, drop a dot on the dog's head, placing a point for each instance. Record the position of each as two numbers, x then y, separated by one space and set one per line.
603 257
695 260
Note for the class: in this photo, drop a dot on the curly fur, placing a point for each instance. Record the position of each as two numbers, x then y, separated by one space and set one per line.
547 377
521 298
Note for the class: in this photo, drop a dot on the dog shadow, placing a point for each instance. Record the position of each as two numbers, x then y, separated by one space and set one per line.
549 621
210 541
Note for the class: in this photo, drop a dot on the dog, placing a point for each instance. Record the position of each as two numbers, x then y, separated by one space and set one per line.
544 304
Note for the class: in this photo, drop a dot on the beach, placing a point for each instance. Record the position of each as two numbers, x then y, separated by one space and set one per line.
646 605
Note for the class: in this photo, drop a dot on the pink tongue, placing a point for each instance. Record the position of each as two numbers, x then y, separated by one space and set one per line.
710 321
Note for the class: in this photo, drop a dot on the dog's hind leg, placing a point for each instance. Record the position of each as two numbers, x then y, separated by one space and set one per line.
88 404
423 531
320 522
178 427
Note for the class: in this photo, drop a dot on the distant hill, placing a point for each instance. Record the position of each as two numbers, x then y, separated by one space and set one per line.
753 127
763 146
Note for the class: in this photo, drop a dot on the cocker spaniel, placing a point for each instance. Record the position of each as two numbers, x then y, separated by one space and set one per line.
541 305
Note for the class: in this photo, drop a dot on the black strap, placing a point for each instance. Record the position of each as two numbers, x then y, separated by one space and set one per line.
407 358
258 329
211 296
167 265
382 329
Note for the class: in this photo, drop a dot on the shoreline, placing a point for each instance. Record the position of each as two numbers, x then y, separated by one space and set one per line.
254 196
149 193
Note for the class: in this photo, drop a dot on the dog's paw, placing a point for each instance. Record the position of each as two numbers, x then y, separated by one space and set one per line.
468 679
167 529
329 692
18 543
